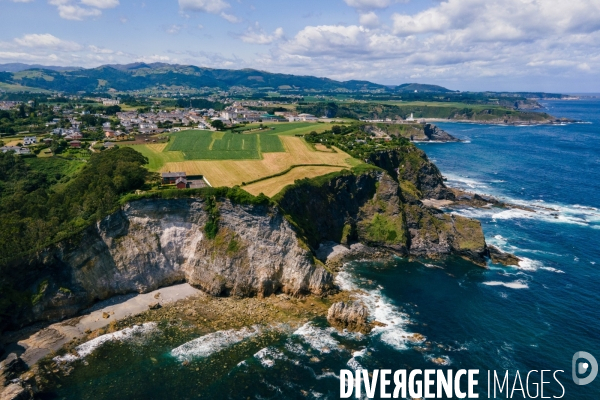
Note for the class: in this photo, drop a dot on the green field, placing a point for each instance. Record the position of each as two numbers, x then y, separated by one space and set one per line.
270 143
206 145
197 145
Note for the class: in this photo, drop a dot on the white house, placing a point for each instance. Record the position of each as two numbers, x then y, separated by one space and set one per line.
29 140
307 117
411 118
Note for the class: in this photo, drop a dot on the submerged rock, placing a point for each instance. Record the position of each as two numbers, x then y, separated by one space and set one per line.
500 257
351 315
15 391
11 368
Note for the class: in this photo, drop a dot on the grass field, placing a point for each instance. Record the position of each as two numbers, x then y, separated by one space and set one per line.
229 159
206 145
271 187
234 172
270 143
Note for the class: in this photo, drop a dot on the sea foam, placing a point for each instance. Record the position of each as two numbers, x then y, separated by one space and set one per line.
212 343
392 321
318 338
511 285
136 332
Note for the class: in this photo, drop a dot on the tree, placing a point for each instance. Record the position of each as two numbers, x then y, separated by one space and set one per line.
218 124
21 113
336 129
112 110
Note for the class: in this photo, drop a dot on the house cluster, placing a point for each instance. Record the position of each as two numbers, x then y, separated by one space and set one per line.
68 134
148 123
109 102
7 105
16 149
239 114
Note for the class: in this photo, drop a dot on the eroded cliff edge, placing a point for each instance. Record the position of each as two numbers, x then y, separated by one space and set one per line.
155 242
256 247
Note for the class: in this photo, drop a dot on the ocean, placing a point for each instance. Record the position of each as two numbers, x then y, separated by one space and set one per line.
534 317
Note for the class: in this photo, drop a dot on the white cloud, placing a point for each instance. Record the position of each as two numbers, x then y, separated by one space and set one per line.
46 40
256 35
100 50
453 40
372 4
101 3
210 7
501 20
74 12
207 6
19 56
21 1
230 18
153 58
173 29
369 19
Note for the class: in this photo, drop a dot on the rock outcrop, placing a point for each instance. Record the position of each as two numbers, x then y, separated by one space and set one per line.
500 257
374 209
433 133
352 316
154 243
412 168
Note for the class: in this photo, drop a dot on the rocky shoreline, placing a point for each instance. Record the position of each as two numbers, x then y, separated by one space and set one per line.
266 264
555 121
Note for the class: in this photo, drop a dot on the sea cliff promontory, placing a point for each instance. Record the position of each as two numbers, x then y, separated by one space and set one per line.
230 245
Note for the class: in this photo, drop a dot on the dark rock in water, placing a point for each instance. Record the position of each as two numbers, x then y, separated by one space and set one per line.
500 257
14 391
352 316
11 368
439 135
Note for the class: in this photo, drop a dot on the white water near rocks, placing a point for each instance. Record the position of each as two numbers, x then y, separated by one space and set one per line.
212 343
137 332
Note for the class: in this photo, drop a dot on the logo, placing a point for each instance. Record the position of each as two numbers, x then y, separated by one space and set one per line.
581 367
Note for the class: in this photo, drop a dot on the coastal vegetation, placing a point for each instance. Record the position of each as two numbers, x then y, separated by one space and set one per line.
46 200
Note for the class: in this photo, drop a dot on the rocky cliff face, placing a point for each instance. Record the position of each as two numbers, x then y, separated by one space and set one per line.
257 250
154 243
419 177
436 134
383 213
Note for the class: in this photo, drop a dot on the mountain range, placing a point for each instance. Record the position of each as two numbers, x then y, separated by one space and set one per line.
141 76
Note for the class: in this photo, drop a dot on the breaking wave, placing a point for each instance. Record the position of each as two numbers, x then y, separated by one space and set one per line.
212 343
136 332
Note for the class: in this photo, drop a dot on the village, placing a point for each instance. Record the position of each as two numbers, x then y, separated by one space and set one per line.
70 124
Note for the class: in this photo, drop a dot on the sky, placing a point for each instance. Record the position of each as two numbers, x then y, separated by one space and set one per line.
513 45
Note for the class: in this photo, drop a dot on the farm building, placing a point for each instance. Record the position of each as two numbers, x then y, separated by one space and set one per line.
169 178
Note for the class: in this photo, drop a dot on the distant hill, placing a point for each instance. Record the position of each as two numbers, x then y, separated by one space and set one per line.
18 67
411 87
140 76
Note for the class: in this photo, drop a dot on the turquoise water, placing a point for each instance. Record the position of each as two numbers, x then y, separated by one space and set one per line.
529 318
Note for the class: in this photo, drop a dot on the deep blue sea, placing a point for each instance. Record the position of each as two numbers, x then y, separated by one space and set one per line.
534 317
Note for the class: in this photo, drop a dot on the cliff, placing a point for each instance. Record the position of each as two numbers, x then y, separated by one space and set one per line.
412 131
435 134
153 243
228 246
384 210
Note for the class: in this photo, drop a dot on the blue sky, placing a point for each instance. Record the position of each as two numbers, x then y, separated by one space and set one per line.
546 45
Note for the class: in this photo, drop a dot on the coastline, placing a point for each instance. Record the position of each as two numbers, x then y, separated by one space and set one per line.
558 121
